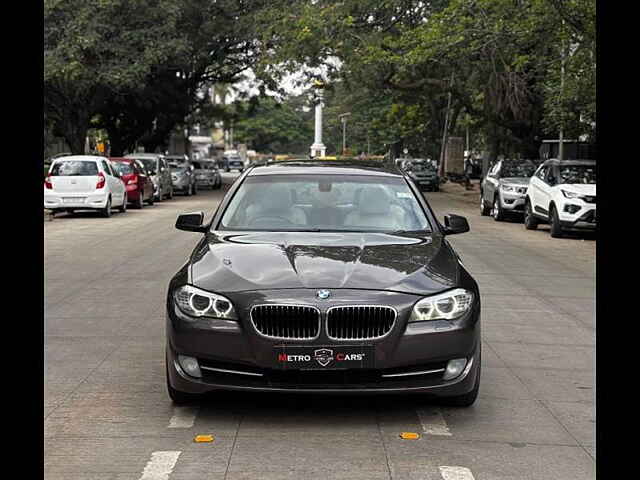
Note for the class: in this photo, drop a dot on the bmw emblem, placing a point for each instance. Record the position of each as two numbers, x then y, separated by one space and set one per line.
323 294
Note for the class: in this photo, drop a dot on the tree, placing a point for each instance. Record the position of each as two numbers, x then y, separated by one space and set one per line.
497 58
95 51
268 125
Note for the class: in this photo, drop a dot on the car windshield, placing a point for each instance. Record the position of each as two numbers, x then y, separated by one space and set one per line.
518 169
332 203
74 168
123 168
149 165
572 174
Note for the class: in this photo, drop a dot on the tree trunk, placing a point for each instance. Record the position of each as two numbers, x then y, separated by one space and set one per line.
75 134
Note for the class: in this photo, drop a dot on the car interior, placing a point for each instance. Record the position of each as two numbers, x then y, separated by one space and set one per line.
326 206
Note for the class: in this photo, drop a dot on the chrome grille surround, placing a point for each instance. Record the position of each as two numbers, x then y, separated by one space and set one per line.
360 322
276 321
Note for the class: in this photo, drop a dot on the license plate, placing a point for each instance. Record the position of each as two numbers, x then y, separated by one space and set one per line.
329 357
73 200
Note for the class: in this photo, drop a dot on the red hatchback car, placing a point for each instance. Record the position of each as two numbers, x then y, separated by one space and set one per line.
138 183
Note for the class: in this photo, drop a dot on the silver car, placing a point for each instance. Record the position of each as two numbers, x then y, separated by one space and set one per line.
159 172
207 174
183 175
504 189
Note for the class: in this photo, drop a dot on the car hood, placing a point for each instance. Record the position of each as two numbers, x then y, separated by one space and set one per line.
516 180
581 188
233 262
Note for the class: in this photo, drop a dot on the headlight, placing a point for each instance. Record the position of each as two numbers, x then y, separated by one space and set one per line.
508 188
444 306
199 303
570 194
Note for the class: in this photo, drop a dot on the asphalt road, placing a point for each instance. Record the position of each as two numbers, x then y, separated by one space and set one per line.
107 414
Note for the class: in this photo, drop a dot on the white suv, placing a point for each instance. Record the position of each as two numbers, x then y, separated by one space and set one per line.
563 194
84 182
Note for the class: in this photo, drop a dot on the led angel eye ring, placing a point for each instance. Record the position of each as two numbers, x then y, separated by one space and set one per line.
197 310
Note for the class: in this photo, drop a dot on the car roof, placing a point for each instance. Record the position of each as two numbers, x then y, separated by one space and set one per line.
143 155
555 161
85 158
324 167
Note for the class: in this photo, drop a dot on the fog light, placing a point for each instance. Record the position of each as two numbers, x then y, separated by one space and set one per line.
190 365
454 368
570 208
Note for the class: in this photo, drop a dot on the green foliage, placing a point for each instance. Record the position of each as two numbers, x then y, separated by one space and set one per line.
267 125
499 59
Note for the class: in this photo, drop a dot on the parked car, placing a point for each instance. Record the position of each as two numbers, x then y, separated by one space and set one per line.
182 175
139 186
504 189
367 296
232 162
207 174
158 169
84 182
423 174
563 194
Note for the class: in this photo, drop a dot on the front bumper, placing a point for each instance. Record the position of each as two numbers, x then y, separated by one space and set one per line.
242 359
75 200
583 219
180 184
426 182
207 181
513 202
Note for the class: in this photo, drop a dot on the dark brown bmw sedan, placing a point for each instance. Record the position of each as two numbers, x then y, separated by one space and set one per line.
324 277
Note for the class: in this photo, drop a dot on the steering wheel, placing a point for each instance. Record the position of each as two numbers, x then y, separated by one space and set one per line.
270 217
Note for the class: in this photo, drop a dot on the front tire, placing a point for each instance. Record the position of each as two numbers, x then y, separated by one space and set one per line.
123 208
530 222
556 228
106 211
484 208
498 212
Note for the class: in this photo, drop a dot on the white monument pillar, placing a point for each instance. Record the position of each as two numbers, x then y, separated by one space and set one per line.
318 149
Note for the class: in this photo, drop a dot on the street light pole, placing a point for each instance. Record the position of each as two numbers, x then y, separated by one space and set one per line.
562 60
343 119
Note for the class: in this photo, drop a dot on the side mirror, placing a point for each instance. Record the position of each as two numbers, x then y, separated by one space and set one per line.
191 222
455 224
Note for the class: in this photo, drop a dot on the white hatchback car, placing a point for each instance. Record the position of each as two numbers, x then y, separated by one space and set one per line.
563 194
84 182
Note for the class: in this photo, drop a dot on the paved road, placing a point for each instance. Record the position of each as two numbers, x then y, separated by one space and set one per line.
107 415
